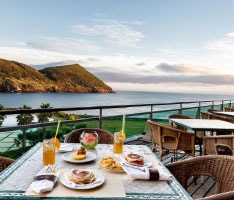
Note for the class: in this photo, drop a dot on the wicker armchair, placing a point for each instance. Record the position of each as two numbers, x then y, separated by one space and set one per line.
229 109
211 110
218 145
5 162
205 115
104 136
172 139
220 117
219 167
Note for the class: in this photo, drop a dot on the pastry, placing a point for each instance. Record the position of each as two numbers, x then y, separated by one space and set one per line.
81 176
79 155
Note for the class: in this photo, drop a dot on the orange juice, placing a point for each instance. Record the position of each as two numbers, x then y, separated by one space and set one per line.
118 143
56 143
48 152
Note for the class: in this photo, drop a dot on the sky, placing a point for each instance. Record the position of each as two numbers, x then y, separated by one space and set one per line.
132 45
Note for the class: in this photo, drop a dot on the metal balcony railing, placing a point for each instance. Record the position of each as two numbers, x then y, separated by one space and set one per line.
158 111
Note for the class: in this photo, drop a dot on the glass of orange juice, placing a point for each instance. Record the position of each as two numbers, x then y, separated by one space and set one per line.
48 152
118 143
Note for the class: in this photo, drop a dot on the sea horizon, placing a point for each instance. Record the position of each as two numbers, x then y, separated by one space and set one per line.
120 97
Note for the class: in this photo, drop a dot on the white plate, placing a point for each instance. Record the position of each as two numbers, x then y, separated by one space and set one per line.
147 163
99 181
89 157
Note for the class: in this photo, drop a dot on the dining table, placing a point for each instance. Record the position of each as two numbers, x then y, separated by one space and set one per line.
204 125
16 179
225 113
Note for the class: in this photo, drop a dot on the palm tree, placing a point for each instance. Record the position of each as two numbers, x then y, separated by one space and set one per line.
23 119
44 117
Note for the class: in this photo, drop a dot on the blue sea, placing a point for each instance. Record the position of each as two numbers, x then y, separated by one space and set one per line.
63 100
60 100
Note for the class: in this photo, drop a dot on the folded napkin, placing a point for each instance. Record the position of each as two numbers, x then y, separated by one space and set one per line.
145 173
65 148
45 180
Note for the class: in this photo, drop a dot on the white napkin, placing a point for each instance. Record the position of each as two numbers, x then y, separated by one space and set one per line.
65 148
144 173
45 180
42 186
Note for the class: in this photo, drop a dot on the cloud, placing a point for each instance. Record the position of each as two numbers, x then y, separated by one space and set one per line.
115 31
61 45
140 64
224 45
110 76
183 68
111 31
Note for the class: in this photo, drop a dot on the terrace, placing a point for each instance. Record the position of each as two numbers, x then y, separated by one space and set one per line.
136 134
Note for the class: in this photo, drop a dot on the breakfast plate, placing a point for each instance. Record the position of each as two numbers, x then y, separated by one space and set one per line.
147 163
100 179
89 157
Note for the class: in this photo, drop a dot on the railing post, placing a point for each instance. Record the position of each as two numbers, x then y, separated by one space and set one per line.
100 118
222 105
23 140
212 106
198 113
180 111
151 112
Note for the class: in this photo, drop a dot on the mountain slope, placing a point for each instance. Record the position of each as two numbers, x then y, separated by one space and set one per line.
15 76
75 78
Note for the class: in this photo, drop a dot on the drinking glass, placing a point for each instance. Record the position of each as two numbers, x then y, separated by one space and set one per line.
118 143
48 152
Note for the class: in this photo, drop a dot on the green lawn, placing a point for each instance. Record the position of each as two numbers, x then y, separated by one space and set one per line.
132 126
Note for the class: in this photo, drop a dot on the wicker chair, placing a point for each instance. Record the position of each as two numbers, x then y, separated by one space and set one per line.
104 136
5 162
218 167
205 115
211 110
218 145
220 117
229 109
172 139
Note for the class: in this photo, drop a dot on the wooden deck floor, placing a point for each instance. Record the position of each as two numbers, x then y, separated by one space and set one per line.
196 190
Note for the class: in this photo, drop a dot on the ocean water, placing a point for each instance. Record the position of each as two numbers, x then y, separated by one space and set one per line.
61 100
